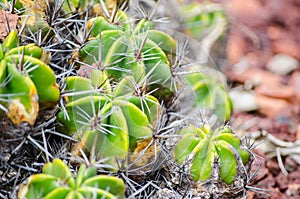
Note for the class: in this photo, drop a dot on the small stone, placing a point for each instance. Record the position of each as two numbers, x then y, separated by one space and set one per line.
286 46
243 101
255 77
165 193
282 64
272 107
293 190
278 91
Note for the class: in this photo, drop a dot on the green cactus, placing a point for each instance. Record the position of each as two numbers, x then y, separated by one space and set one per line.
72 6
25 65
99 24
204 145
144 54
198 19
116 122
18 4
57 182
210 93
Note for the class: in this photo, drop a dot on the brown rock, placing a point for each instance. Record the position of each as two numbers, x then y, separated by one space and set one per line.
248 9
267 182
255 76
235 47
272 107
287 46
293 191
295 83
278 91
273 32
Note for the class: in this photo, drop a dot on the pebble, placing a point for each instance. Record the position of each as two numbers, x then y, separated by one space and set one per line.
243 101
282 64
272 107
278 91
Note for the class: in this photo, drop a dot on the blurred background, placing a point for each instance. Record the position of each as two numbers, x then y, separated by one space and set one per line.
263 72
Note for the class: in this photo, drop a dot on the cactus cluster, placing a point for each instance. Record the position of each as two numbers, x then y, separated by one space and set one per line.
113 84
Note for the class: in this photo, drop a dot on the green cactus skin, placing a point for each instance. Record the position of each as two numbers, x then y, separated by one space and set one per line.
129 125
57 182
89 53
164 41
117 123
23 104
10 42
99 24
128 91
30 50
31 80
18 4
204 146
200 18
90 105
143 53
143 25
137 122
43 78
110 143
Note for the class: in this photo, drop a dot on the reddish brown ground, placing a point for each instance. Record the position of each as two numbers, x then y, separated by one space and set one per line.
261 29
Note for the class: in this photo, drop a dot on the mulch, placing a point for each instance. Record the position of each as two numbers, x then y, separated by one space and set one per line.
261 29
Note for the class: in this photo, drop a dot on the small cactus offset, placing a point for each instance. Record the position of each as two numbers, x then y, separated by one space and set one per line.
203 146
27 82
57 182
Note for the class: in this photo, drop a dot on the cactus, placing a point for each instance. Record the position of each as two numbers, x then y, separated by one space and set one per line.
71 6
199 18
25 65
210 93
204 145
145 55
57 182
117 123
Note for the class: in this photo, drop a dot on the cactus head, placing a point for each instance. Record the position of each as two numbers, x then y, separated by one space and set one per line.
203 146
57 182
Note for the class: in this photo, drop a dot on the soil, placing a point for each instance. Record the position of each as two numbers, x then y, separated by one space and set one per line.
261 29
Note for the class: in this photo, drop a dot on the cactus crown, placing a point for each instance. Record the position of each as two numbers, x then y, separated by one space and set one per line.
57 182
202 146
